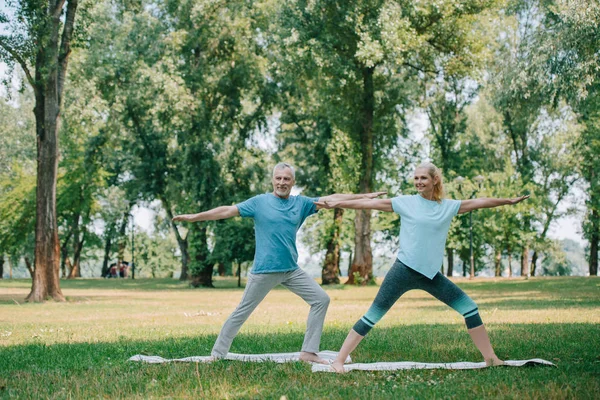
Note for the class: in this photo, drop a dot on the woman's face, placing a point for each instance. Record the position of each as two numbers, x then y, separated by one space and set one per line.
424 183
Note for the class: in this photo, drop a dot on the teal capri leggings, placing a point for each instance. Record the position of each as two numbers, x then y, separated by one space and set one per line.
400 279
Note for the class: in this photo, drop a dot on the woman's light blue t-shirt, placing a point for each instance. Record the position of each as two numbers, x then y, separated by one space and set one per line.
424 226
276 222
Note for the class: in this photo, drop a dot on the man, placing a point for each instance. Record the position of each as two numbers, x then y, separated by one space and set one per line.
277 218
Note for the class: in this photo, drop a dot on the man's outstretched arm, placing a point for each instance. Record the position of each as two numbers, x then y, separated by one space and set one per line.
222 212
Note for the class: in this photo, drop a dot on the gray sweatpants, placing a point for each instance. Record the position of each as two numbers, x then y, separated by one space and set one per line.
257 287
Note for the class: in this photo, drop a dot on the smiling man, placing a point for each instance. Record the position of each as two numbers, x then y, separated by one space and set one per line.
277 218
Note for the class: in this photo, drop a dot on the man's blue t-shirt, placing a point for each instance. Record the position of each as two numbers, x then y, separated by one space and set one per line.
424 226
276 222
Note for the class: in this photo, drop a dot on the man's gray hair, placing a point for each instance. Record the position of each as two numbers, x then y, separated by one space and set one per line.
283 165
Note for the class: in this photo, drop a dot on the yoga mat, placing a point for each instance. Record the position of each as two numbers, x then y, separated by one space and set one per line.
275 357
393 366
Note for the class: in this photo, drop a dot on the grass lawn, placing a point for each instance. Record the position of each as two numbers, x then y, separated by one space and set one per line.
79 349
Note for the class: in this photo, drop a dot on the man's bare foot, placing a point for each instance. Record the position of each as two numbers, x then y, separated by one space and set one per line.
338 367
494 362
312 357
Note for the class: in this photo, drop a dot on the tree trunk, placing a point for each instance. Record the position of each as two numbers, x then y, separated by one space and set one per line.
74 270
64 250
68 266
509 263
78 246
1 266
64 253
525 262
50 72
594 238
534 259
202 268
330 273
46 283
450 269
497 263
122 240
107 248
362 265
361 271
221 269
29 267
182 242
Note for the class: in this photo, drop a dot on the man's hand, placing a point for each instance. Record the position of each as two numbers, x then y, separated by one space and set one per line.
374 195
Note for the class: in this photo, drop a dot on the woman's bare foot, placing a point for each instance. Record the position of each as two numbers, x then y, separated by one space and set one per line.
312 357
338 367
494 362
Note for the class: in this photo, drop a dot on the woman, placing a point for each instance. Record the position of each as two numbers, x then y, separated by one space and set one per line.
425 221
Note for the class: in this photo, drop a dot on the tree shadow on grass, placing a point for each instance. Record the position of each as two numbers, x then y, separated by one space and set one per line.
159 284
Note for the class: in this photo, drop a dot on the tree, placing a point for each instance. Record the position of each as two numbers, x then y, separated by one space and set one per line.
82 176
39 41
222 68
572 57
365 54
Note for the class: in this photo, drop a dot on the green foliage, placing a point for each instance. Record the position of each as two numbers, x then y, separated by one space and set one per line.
555 262
234 241
17 212
155 255
181 101
17 177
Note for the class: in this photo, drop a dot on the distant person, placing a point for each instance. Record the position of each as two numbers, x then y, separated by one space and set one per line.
277 218
114 272
124 269
425 221
111 270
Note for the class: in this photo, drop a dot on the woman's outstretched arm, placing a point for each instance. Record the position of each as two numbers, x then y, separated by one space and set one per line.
484 202
344 196
361 204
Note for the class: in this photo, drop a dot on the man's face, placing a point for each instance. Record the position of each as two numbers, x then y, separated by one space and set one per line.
283 181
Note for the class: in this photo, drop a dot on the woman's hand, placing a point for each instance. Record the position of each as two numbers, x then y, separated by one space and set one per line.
184 218
327 204
518 199
374 195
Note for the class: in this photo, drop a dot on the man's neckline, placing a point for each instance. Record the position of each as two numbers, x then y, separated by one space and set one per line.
280 198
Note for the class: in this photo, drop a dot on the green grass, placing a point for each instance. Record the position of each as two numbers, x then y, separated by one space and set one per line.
79 349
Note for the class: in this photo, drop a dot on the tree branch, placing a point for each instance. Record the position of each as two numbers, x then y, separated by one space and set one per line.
65 45
407 64
58 8
21 62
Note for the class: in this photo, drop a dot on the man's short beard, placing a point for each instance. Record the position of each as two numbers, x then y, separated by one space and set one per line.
282 192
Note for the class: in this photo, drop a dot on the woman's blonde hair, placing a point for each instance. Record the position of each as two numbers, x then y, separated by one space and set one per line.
438 188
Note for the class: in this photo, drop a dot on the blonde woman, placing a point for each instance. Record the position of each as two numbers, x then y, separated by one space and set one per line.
425 221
